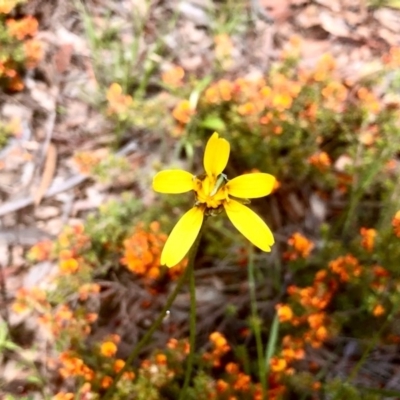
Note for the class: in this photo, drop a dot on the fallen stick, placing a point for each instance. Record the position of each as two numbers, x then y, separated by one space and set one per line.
17 204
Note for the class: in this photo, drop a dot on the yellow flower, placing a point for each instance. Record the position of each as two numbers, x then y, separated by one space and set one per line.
214 192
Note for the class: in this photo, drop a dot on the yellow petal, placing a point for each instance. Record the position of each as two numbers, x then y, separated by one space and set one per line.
250 225
216 155
251 186
182 237
173 181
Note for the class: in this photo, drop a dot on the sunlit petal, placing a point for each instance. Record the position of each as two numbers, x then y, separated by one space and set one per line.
182 237
216 155
251 186
173 181
250 225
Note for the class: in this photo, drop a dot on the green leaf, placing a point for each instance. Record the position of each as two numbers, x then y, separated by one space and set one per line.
10 346
272 340
34 379
3 334
213 123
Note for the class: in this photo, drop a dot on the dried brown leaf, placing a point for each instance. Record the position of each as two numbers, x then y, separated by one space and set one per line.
62 59
48 173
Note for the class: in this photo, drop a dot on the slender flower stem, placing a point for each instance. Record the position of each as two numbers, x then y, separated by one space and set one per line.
192 319
136 350
189 271
257 325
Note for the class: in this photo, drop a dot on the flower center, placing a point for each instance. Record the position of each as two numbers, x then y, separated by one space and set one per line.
211 191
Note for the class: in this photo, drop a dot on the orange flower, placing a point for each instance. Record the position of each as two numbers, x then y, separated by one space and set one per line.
87 160
15 84
320 160
172 343
161 359
369 99
346 267
315 297
378 310
211 95
115 338
87 289
284 312
173 76
277 185
334 92
221 91
316 320
247 109
221 386
325 65
310 112
232 368
41 251
316 337
223 46
108 349
183 112
68 266
22 28
63 395
368 238
225 89
380 271
129 375
118 103
33 52
392 59
266 119
301 246
21 303
221 347
118 365
106 382
63 314
282 85
396 224
242 382
91 317
142 252
223 50
218 340
277 364
282 101
74 366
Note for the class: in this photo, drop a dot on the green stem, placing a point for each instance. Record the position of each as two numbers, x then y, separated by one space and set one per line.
192 318
371 345
136 350
257 325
